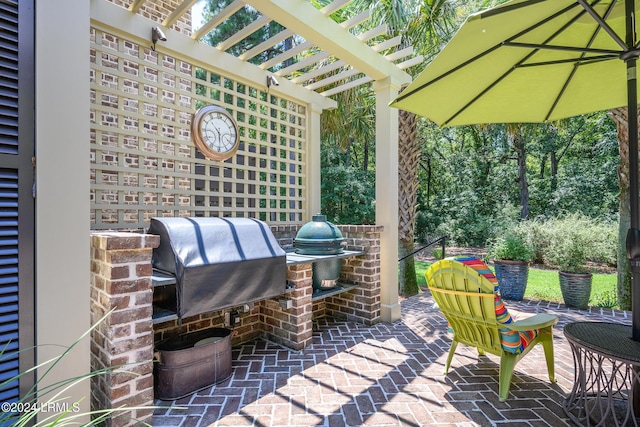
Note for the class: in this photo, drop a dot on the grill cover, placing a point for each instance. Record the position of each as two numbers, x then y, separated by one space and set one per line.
219 262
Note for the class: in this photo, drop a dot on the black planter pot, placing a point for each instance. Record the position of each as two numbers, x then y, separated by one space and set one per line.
512 277
576 289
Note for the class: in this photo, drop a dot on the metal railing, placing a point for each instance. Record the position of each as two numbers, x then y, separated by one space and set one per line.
442 240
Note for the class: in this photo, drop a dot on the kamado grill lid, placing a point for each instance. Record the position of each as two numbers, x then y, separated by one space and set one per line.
319 237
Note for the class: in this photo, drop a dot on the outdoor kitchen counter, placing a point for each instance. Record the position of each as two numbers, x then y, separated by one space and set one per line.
160 279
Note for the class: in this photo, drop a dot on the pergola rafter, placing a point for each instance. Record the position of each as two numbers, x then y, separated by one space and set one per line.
325 56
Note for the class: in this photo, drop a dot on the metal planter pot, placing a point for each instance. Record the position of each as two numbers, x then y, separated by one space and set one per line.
576 289
512 277
190 362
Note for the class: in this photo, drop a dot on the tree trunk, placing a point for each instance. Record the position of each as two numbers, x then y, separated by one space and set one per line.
408 164
554 171
288 44
624 269
619 116
347 151
365 156
521 152
428 169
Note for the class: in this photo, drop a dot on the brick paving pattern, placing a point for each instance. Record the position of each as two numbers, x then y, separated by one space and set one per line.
385 375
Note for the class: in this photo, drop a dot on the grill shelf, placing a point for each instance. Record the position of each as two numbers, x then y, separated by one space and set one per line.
293 258
338 289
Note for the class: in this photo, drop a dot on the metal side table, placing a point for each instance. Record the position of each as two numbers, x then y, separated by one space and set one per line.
606 365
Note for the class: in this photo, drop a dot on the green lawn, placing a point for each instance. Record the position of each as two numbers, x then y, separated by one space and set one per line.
544 285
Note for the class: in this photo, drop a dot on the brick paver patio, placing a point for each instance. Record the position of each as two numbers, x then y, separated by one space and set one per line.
385 375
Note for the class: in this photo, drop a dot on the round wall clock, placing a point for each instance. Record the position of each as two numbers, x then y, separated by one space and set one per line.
215 132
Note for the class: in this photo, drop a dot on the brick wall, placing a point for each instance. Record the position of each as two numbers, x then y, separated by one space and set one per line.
249 329
291 327
363 303
122 343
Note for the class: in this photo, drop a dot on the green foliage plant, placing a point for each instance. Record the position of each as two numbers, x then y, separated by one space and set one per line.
599 237
538 233
511 247
569 257
48 405
568 250
605 299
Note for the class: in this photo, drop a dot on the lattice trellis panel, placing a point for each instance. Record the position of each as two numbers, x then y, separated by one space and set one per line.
144 164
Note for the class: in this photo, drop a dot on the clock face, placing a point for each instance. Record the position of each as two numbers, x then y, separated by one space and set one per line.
215 132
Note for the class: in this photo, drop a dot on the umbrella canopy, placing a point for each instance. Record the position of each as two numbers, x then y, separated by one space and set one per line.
536 61
526 61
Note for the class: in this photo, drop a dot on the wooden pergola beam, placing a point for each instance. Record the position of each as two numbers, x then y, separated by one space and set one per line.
310 23
218 19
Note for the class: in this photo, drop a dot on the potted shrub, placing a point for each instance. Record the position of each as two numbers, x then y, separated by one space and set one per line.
569 255
511 256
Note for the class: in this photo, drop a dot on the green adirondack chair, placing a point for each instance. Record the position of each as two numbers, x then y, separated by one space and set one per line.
465 290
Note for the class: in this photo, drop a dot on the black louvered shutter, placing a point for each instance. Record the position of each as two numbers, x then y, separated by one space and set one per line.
16 194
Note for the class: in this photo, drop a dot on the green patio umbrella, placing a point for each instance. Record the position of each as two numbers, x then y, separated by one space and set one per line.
536 61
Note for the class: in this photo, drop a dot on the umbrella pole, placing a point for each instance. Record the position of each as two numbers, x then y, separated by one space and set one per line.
633 235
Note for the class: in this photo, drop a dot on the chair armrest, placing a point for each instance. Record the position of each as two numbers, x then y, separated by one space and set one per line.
539 321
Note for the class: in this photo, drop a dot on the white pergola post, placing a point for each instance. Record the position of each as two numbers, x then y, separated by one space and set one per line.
387 196
313 161
62 202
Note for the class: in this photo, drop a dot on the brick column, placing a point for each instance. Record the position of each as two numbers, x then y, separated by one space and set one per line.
361 304
292 327
121 283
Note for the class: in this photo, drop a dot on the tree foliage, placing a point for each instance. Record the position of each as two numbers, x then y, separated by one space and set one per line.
347 190
470 176
242 18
